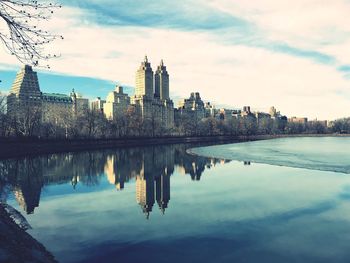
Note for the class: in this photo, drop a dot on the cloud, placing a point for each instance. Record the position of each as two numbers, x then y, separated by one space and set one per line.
253 62
194 15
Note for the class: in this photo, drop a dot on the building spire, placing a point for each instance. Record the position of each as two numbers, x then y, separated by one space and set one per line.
162 63
146 59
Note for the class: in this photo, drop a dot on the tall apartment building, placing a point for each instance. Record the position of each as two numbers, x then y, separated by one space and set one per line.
152 94
161 82
25 94
144 80
151 99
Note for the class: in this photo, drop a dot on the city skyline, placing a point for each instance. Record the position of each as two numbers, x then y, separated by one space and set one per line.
234 53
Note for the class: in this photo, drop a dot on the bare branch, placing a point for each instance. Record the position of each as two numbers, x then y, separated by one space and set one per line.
24 38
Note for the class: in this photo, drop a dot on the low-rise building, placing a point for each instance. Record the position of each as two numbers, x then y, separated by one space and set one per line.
116 104
302 120
97 104
193 107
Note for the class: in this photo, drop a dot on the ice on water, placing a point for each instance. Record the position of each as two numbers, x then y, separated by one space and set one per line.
317 153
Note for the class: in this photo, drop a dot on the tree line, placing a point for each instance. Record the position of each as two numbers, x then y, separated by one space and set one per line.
63 123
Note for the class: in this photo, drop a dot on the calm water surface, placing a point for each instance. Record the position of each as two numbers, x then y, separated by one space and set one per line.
160 204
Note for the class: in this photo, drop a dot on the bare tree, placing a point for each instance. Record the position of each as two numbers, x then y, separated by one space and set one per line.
27 121
4 120
24 39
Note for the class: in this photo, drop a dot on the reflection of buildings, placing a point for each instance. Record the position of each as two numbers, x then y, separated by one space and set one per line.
123 166
150 166
145 192
163 191
111 173
153 181
149 189
28 198
27 183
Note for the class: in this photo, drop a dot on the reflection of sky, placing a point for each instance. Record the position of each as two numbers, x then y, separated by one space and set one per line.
257 213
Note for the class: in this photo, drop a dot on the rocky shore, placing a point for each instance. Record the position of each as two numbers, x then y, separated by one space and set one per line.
17 246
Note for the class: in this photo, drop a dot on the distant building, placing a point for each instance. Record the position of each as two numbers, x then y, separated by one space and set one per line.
323 123
210 110
151 98
144 80
116 104
273 112
97 104
25 91
246 112
262 115
298 120
193 107
161 82
25 94
80 104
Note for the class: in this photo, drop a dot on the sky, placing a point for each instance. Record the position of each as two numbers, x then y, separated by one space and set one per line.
294 55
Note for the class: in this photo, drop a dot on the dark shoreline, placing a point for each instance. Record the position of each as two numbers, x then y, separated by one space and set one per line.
17 245
13 147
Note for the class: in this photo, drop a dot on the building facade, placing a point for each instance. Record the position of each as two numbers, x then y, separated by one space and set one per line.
151 100
25 95
117 103
193 107
97 104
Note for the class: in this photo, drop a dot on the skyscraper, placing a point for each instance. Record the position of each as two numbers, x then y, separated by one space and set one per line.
144 80
161 82
152 99
26 84
25 90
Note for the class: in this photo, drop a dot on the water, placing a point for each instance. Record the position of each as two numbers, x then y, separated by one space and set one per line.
326 154
160 204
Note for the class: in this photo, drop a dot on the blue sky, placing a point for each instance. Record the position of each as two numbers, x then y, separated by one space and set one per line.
293 55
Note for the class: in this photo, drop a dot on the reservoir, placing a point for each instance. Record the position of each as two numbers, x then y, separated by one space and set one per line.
281 200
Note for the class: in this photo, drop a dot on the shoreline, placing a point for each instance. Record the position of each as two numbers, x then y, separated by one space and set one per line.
14 147
17 245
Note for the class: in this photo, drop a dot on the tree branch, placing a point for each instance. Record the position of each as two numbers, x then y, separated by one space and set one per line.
23 38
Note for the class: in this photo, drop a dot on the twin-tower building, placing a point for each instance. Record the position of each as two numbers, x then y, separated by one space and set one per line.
151 99
152 94
150 85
